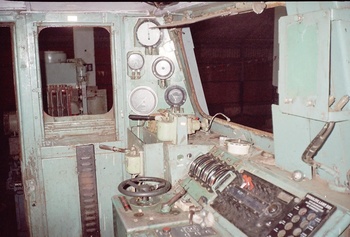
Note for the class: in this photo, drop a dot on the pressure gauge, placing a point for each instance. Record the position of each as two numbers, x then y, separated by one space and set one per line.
135 61
148 36
175 96
143 100
163 68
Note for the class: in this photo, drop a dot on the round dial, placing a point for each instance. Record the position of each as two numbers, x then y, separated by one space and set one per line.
163 68
148 36
175 95
143 100
135 61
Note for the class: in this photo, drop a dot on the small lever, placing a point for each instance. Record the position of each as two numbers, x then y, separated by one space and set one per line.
192 210
167 206
113 148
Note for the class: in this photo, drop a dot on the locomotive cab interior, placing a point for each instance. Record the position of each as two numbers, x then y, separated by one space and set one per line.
182 119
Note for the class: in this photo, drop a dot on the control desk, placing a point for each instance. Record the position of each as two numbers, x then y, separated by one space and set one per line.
224 194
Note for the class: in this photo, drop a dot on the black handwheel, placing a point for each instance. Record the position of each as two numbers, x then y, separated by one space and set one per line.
143 186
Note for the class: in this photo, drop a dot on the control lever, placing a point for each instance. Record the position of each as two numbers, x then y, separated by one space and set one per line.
192 210
113 148
167 205
141 117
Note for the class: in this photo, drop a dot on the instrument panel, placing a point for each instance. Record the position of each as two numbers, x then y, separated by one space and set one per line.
259 208
217 192
256 206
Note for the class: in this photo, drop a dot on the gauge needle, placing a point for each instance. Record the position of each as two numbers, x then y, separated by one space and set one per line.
142 102
174 97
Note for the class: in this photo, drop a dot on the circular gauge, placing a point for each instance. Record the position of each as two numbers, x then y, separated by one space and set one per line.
147 35
143 100
163 68
135 61
175 95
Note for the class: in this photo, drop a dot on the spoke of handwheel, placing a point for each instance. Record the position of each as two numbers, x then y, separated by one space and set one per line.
161 185
132 184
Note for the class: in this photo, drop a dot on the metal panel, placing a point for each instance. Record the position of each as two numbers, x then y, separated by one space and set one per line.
300 7
61 189
289 144
61 73
61 197
340 71
154 164
304 65
109 173
180 157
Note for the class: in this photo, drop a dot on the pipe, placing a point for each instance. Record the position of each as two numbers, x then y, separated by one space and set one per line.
317 143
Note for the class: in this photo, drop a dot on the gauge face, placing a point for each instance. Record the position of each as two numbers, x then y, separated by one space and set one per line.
175 95
143 100
148 36
163 68
135 61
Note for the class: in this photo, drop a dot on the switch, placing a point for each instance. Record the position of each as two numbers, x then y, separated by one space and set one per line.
166 231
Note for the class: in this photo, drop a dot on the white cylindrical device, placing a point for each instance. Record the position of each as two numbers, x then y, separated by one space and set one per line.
238 146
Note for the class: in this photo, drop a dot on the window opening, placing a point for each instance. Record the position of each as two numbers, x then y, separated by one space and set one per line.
76 73
235 62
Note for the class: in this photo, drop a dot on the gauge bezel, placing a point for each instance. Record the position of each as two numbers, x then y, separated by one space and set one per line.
167 94
151 100
155 71
141 38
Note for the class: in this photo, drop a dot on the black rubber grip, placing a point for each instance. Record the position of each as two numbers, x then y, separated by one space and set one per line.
141 117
